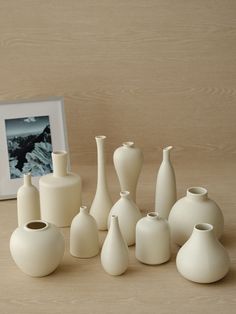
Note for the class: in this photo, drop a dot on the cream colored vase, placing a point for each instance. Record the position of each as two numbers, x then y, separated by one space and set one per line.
194 208
202 258
115 254
152 240
165 186
102 202
84 240
28 207
128 214
37 248
128 161
60 192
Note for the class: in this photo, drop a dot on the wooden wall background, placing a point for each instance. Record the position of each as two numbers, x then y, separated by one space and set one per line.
158 72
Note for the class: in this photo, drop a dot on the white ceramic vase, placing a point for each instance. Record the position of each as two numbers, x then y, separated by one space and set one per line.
84 240
128 161
115 254
102 202
165 186
28 207
192 209
37 248
60 192
152 240
128 214
202 258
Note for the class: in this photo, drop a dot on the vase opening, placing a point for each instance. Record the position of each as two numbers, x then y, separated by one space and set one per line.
100 137
124 193
203 227
167 148
128 144
36 225
197 192
153 215
60 153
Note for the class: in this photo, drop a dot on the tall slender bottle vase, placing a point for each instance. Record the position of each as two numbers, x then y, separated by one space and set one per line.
28 207
165 186
128 161
60 192
102 202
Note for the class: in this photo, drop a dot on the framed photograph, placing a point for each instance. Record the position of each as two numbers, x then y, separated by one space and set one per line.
29 132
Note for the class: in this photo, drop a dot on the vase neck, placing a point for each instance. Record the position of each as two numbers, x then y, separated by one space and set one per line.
125 195
27 179
166 153
101 160
197 193
114 226
153 216
203 232
59 162
128 144
84 210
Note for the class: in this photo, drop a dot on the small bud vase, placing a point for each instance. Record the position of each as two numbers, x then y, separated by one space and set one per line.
102 202
60 192
114 254
128 214
28 207
165 186
128 161
84 240
152 240
202 258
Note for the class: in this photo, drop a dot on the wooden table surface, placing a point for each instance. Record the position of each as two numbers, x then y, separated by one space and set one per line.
82 286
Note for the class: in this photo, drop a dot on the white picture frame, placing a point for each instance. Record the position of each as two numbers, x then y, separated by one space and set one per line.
26 128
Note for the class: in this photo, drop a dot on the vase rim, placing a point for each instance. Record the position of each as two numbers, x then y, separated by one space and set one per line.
101 137
167 148
197 191
124 193
153 215
203 227
36 225
128 144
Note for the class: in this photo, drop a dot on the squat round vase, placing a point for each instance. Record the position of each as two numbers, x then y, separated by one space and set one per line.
128 214
152 240
114 254
28 207
37 248
128 161
102 202
202 258
84 240
165 186
60 192
192 209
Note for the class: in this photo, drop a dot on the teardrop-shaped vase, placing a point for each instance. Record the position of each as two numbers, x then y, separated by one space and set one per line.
128 214
102 202
115 254
165 186
28 207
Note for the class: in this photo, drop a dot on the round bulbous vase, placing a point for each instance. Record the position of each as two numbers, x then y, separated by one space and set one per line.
202 258
128 214
84 240
128 161
115 253
192 209
152 240
28 207
37 248
60 192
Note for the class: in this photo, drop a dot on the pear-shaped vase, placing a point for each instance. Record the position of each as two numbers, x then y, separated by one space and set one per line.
192 209
28 207
102 202
128 161
152 240
84 240
60 192
165 186
114 254
128 214
202 258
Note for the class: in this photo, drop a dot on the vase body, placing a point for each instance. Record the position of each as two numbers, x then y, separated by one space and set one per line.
128 161
202 258
84 240
152 240
37 248
28 207
60 193
114 254
102 202
128 214
195 208
165 196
